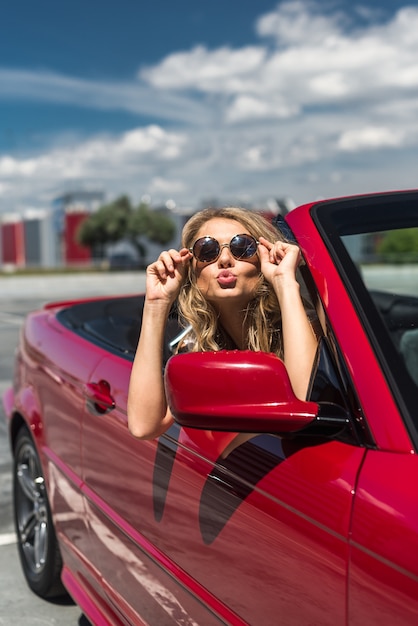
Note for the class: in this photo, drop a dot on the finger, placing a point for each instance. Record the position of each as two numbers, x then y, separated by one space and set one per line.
266 250
185 254
171 258
280 250
276 252
159 269
276 249
263 252
265 243
290 254
163 265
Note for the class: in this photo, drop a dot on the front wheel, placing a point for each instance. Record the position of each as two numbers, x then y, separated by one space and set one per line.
37 544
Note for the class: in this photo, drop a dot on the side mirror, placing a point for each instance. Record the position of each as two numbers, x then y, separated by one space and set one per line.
242 391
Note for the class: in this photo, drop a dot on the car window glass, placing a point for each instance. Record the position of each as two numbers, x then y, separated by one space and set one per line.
388 264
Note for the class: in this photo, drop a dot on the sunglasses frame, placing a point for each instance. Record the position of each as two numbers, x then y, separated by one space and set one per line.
222 246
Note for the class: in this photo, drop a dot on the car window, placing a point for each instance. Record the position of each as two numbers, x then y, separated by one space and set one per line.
388 264
373 241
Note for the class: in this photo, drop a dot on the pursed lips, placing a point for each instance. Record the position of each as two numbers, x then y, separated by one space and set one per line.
226 278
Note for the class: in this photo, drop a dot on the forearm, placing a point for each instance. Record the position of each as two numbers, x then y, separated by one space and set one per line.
148 415
299 341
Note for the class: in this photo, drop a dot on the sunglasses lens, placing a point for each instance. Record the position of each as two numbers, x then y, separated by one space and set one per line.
243 246
206 249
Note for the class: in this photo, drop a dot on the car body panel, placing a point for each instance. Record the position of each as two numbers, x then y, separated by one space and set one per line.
260 524
61 361
383 574
375 397
119 500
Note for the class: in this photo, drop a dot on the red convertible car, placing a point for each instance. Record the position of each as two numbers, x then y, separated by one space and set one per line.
313 519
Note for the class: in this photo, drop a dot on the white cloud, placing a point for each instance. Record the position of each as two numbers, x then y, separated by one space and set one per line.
160 185
247 107
313 62
371 137
11 167
311 110
4 188
222 70
51 87
142 144
300 21
150 140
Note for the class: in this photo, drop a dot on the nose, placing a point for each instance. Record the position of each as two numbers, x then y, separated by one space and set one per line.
225 258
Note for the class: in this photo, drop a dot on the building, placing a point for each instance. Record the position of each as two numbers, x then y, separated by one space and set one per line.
69 211
40 244
48 237
12 243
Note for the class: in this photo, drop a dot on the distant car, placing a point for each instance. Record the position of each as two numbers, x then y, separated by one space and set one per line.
313 519
123 261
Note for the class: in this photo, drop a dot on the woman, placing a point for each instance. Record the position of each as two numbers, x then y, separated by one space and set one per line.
235 283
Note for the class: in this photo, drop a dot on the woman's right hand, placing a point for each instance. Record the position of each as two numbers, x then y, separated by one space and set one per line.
165 276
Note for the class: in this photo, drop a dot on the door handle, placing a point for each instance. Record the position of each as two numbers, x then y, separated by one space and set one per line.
99 400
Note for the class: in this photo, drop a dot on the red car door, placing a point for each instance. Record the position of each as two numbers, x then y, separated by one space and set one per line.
266 528
62 360
135 572
241 538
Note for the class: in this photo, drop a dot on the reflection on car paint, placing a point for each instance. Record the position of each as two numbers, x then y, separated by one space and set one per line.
163 468
227 485
231 481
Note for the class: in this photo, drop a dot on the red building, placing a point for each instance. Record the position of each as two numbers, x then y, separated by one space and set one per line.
12 241
69 211
74 253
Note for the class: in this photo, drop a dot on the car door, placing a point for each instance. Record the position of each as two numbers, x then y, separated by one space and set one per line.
139 576
243 537
63 362
272 520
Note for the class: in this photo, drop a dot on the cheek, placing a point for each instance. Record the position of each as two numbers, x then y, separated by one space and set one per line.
202 277
252 270
254 283
253 277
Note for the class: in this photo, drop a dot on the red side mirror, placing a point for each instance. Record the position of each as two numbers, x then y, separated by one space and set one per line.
239 391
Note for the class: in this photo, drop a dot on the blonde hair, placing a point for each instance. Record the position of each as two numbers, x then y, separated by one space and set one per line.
262 314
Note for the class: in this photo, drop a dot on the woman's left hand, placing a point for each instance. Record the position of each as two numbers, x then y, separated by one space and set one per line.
278 259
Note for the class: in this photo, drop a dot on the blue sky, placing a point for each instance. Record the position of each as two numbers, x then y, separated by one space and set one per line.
240 100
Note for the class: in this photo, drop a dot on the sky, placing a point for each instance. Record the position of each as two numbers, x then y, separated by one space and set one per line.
188 101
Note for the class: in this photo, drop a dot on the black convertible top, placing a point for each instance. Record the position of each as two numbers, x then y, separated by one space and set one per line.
113 323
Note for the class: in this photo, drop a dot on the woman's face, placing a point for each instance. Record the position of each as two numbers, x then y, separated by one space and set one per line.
226 281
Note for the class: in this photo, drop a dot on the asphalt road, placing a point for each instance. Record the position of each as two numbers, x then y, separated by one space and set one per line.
18 605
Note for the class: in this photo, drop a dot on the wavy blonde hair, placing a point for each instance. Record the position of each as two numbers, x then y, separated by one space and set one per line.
263 312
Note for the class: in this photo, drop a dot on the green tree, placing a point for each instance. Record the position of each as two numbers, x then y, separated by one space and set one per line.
162 229
139 221
154 225
107 225
399 246
119 220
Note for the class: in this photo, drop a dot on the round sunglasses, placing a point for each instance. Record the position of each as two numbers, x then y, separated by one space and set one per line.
208 249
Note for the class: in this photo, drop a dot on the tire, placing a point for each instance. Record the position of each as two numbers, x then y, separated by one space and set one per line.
39 552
